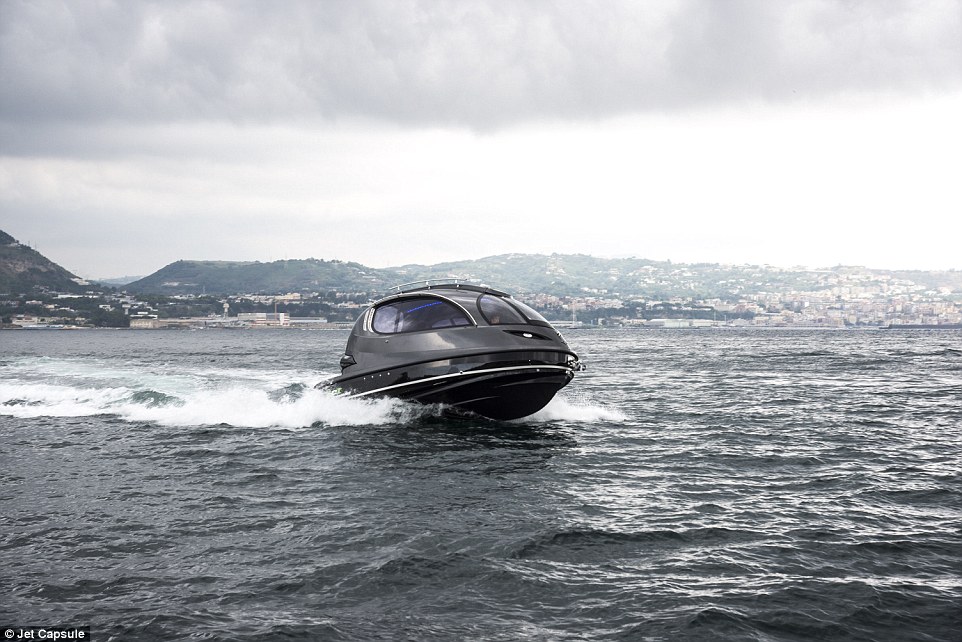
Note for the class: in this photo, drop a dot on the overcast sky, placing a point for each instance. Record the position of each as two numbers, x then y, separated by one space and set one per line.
808 132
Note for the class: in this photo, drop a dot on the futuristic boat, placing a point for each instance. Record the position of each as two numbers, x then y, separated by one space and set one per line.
468 347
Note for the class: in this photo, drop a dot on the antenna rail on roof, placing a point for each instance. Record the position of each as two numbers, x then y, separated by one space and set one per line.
429 284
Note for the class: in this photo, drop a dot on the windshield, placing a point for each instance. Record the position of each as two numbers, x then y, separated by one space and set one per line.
415 314
499 311
529 312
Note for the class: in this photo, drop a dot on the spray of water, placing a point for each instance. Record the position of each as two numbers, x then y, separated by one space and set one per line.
175 395
578 411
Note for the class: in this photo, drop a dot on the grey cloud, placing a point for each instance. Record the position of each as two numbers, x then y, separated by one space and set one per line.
475 64
780 50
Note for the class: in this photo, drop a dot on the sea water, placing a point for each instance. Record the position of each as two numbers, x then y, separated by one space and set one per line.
690 485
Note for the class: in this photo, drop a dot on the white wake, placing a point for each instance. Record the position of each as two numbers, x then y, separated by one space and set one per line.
173 395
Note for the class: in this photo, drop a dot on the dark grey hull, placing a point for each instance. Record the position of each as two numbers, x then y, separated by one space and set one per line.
499 386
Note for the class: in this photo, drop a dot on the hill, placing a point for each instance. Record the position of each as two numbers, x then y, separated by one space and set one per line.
24 270
232 277
557 274
574 274
526 274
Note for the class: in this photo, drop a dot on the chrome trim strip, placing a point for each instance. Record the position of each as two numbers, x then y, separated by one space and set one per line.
427 283
368 317
459 374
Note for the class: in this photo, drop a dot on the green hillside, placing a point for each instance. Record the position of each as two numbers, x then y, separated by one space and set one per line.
557 274
230 277
571 274
554 274
575 274
23 270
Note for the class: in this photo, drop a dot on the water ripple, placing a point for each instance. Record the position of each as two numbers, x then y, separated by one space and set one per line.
691 485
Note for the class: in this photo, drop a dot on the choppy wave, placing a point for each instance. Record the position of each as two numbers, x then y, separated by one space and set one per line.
690 486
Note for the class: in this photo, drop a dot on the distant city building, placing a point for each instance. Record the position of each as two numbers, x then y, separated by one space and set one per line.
264 318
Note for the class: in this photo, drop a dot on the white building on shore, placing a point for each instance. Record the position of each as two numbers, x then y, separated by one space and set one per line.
264 318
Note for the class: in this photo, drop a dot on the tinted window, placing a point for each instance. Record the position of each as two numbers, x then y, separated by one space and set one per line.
497 311
412 315
529 312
